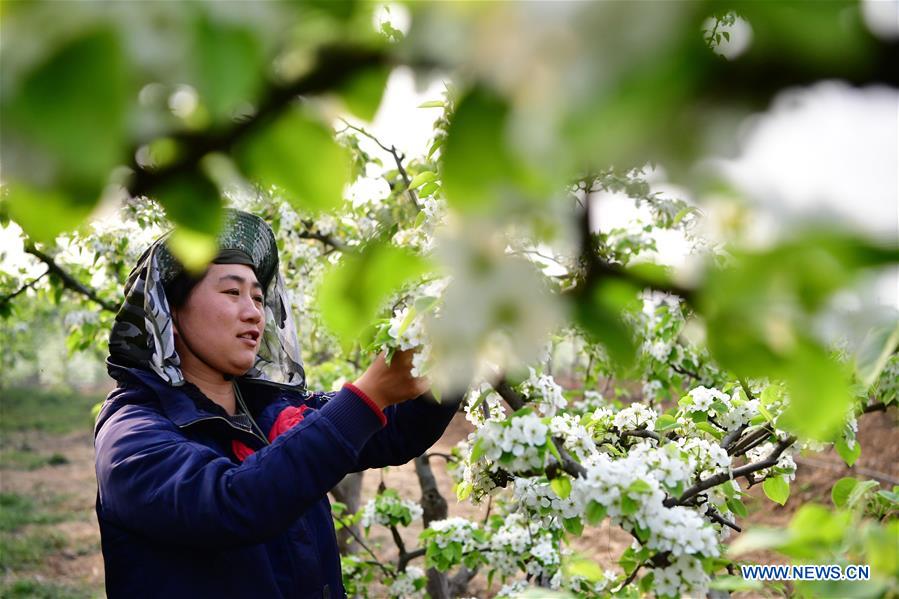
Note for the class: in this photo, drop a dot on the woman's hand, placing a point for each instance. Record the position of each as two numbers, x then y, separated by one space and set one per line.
387 385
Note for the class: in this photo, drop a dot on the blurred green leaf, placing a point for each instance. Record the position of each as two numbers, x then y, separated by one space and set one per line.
599 312
587 568
479 169
841 490
63 132
777 489
476 163
228 65
194 204
362 93
300 156
849 454
759 308
875 352
735 583
45 213
882 549
355 289
74 105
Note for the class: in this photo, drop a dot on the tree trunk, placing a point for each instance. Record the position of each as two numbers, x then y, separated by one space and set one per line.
349 492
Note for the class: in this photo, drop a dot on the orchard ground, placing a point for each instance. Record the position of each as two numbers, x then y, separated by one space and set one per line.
50 544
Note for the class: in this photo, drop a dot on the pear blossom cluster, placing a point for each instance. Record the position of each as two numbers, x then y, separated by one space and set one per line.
545 391
635 416
684 577
784 462
576 438
480 396
517 444
453 530
388 509
410 583
518 540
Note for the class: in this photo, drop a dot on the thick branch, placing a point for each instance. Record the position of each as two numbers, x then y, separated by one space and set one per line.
68 281
329 240
644 434
505 390
716 517
875 407
717 479
335 66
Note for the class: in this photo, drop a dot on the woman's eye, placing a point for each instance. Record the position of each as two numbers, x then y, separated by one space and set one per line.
259 299
233 291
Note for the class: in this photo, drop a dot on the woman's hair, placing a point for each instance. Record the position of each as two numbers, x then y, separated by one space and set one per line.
178 289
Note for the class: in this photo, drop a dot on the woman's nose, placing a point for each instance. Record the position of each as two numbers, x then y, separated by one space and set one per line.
251 311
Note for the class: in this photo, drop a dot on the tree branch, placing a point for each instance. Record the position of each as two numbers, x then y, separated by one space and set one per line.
722 477
68 281
335 65
512 397
362 544
753 439
329 240
397 158
8 298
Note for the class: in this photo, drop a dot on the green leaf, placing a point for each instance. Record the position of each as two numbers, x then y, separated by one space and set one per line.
300 156
777 489
858 494
561 486
552 447
432 104
477 450
45 213
573 525
629 506
463 490
363 92
875 351
755 539
585 568
665 422
737 507
639 486
849 455
353 291
74 105
599 311
595 512
63 132
841 490
422 178
710 429
227 65
194 204
479 169
735 583
645 584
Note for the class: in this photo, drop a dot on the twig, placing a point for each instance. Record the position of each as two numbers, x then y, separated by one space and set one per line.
68 281
397 158
715 516
746 470
643 434
329 240
349 529
6 299
753 439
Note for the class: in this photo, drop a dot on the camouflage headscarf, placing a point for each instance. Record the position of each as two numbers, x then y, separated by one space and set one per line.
142 335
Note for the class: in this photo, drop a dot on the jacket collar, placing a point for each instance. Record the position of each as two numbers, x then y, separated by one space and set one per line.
176 404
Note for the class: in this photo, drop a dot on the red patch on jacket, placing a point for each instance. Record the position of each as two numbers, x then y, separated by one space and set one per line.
286 420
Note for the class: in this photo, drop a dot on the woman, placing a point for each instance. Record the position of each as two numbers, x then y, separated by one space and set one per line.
213 461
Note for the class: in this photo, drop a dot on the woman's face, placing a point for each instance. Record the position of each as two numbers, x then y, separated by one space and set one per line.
221 323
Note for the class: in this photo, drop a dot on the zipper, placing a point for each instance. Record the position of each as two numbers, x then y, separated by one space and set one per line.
229 423
239 396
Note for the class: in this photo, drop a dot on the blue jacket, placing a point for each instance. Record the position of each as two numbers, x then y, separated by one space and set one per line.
180 516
